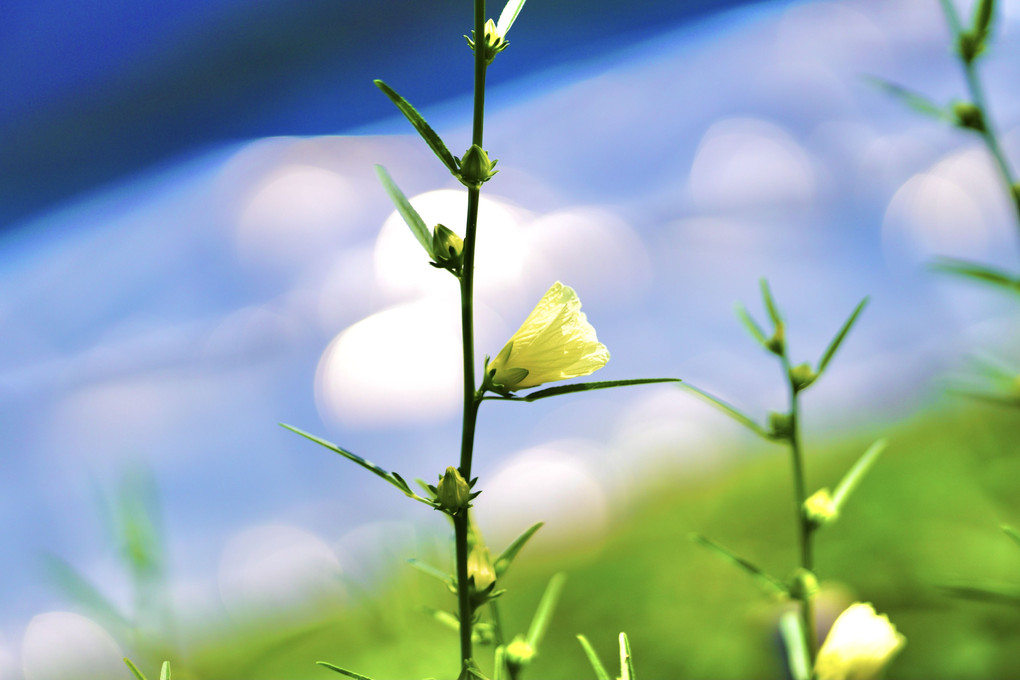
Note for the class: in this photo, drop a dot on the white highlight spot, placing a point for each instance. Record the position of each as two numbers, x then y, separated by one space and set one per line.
544 484
60 645
294 215
277 568
744 163
401 264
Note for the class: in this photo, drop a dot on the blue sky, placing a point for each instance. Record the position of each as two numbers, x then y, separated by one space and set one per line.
175 316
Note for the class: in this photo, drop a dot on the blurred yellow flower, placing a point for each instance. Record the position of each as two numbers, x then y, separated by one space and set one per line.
555 342
820 507
859 645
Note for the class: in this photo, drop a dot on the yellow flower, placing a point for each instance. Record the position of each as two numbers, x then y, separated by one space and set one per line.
555 342
859 645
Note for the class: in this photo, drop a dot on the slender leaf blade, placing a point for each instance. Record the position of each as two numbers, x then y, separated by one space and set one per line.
830 351
856 472
593 659
588 386
507 556
500 671
1007 595
729 410
912 100
508 16
368 465
756 572
1012 532
431 571
750 324
626 659
978 272
343 671
134 669
164 672
434 141
770 303
546 607
411 217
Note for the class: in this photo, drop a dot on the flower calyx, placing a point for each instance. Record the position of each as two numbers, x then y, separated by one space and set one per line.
969 116
453 493
475 168
492 44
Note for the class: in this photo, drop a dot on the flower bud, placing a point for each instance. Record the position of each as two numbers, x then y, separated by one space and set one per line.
803 585
780 425
475 167
777 343
801 376
448 248
519 654
453 493
819 508
493 43
969 116
970 45
481 573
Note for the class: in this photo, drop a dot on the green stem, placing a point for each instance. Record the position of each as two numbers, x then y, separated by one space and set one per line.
977 97
472 397
990 137
460 532
805 529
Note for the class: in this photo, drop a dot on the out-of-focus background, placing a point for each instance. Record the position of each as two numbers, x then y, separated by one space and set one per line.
195 248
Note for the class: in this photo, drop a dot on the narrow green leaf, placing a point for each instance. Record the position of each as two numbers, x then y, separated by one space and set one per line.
731 557
587 386
395 480
952 18
505 558
78 588
984 10
912 100
445 618
770 303
626 660
134 669
343 671
431 571
854 475
978 272
476 673
1012 533
424 129
750 324
407 211
508 16
593 659
729 410
1009 400
1008 595
540 622
164 672
830 351
791 627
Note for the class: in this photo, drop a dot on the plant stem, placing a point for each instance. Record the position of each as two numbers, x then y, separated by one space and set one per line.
805 528
977 97
472 397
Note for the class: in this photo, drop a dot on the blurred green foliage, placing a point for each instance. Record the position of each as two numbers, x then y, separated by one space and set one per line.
927 516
